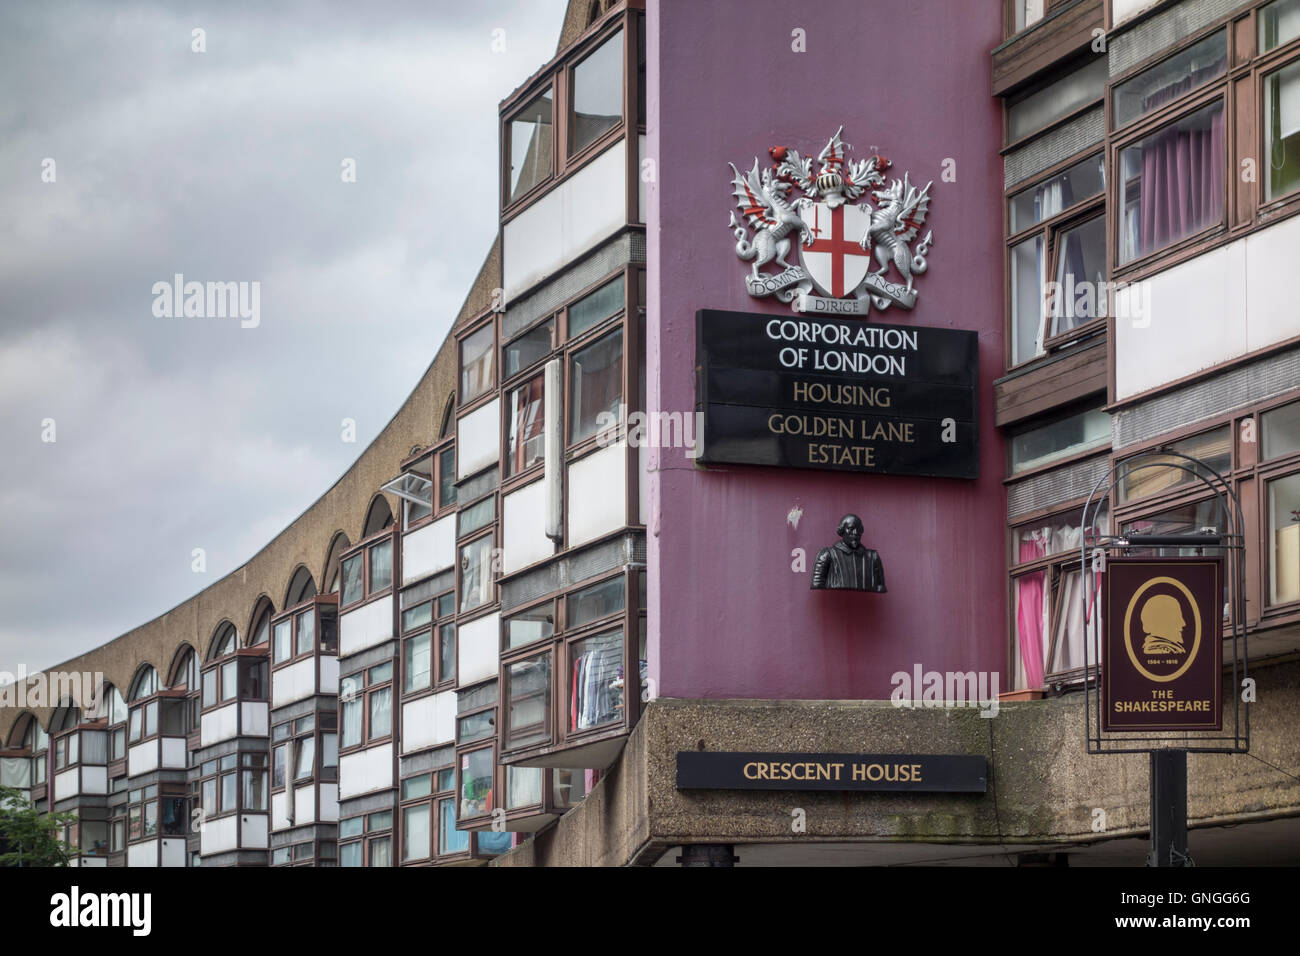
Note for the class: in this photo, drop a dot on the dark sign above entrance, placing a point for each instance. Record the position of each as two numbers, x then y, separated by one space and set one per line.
836 394
940 773
1162 661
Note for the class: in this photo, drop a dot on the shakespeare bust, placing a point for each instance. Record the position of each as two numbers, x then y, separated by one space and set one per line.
847 565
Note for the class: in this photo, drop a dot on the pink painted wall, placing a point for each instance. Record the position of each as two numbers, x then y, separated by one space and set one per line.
728 616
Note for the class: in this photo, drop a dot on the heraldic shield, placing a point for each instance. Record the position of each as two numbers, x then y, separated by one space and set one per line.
835 260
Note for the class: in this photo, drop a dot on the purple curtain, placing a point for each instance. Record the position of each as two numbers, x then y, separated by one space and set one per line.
1182 182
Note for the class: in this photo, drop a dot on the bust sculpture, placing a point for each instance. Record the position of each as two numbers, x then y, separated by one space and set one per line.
847 565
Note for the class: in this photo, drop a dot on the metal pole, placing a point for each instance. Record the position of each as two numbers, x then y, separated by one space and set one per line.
1168 808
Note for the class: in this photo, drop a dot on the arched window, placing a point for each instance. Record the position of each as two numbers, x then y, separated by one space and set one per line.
66 716
261 629
338 545
301 587
144 684
224 642
379 517
448 416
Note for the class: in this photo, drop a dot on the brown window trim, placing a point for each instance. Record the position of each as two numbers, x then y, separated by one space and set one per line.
1050 229
493 389
312 605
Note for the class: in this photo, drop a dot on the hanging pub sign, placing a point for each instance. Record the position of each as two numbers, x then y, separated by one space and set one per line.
1162 656
836 394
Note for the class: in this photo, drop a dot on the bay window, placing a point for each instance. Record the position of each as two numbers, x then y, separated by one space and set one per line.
1058 230
477 366
1047 597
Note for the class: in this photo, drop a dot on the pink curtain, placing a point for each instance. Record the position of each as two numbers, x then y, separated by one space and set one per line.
1182 183
1029 613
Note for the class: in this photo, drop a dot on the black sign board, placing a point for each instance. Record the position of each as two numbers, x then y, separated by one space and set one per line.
840 394
940 773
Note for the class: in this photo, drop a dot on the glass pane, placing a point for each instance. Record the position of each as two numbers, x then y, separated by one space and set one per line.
475 727
255 790
417 616
477 374
1170 79
1057 100
1281 428
1284 539
446 652
446 780
229 680
1068 633
352 587
416 511
420 786
280 648
476 516
277 766
446 605
1048 443
596 373
381 852
1058 534
417 663
528 697
447 478
381 566
229 792
1187 519
329 745
381 713
596 681
350 854
598 92
210 687
1026 13
529 626
476 783
380 673
1149 477
1081 181
528 348
1080 292
305 765
596 307
450 840
306 636
523 787
1282 131
415 832
525 436
569 787
1029 649
350 717
476 573
491 843
530 146
597 601
1171 183
1026 299
1279 23
352 826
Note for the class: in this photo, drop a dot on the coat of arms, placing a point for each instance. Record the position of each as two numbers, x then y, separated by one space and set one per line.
836 239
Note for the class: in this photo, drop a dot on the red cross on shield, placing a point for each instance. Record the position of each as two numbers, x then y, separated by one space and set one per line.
835 262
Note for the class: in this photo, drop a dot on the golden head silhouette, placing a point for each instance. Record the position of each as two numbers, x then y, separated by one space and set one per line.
1162 620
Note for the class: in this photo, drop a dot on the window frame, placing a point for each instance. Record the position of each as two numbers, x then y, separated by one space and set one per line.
1052 229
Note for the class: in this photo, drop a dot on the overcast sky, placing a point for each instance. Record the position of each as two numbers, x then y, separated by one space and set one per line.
225 165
